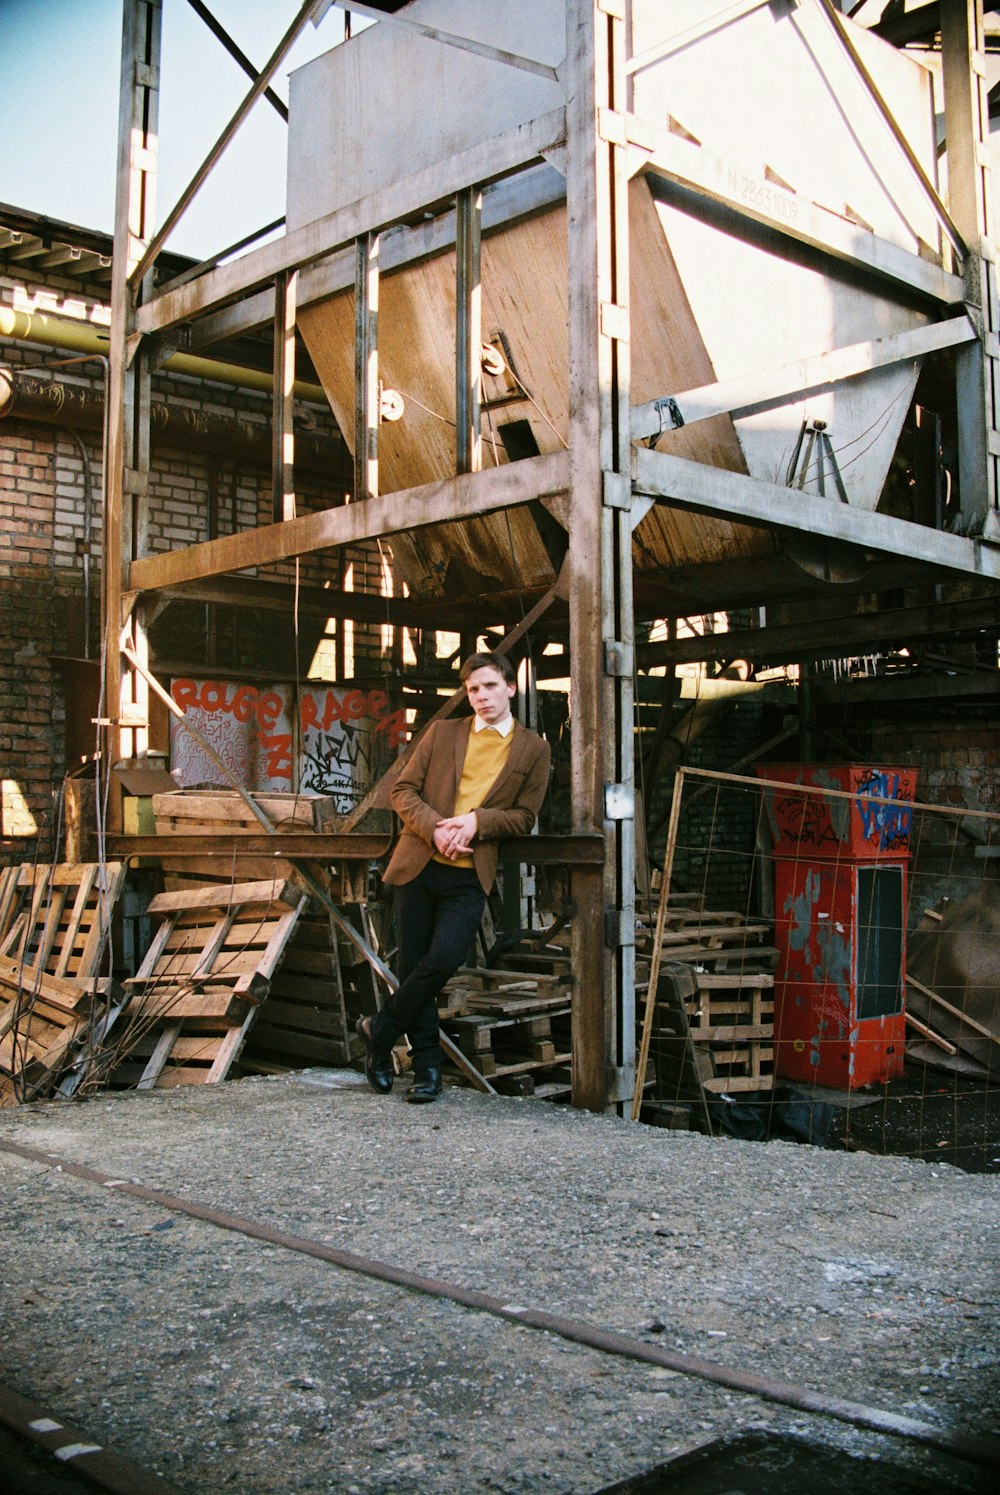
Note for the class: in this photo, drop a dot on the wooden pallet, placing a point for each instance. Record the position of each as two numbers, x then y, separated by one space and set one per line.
225 814
731 1016
44 1022
53 1001
321 988
508 1022
56 918
197 992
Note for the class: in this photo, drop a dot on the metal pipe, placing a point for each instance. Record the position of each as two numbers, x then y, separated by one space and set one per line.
86 337
52 402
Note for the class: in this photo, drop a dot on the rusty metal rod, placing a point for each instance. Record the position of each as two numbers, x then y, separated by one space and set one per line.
984 1451
76 1450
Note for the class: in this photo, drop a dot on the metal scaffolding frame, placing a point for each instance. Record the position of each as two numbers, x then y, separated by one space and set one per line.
605 482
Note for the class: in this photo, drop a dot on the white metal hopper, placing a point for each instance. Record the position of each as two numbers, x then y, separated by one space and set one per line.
769 106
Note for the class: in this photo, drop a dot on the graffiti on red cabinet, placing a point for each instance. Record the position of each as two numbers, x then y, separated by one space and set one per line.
890 824
804 820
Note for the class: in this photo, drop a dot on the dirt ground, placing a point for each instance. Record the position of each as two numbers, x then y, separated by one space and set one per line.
929 1114
226 1362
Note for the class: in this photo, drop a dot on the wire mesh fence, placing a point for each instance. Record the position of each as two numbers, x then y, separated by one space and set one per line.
824 963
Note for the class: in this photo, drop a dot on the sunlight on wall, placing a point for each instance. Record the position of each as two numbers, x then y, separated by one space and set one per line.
15 817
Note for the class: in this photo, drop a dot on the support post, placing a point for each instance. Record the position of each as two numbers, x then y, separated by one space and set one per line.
282 426
966 112
600 555
126 713
366 384
468 330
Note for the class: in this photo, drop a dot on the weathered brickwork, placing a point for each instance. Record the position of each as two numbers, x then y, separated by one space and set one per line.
51 536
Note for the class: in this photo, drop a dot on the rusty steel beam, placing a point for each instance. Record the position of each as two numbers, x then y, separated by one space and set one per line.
56 403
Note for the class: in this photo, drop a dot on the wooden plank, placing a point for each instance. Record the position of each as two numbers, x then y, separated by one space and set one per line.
225 1006
228 1051
164 1043
733 980
956 1012
691 485
930 1035
226 895
731 1033
70 994
468 494
739 1084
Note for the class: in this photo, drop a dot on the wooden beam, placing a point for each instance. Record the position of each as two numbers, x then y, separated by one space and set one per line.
461 497
677 161
481 163
534 190
969 151
600 551
830 638
709 490
772 387
280 596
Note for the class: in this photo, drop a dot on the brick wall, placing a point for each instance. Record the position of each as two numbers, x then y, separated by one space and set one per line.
45 476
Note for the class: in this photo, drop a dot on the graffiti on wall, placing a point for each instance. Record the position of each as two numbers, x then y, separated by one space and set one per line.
345 739
348 740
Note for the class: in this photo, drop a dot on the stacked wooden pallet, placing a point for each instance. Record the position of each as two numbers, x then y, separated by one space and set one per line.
323 985
712 1020
512 1024
55 1006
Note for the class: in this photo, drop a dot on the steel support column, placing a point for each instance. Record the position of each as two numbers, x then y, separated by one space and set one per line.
600 553
468 330
125 483
977 372
366 381
282 413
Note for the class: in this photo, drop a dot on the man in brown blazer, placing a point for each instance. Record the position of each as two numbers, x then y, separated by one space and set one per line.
469 784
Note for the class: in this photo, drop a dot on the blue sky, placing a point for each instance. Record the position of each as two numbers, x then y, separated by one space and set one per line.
59 69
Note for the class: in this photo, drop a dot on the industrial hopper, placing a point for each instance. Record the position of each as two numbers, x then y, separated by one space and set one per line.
766 105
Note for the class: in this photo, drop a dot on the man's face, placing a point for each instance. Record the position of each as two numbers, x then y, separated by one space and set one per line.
489 694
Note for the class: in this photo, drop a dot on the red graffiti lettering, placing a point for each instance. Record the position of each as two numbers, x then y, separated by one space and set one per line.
278 747
355 705
394 727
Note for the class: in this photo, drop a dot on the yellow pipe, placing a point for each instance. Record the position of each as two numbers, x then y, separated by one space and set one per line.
86 337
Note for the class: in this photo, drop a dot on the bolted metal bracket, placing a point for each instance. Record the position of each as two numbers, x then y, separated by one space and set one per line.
619 930
616 490
618 661
619 802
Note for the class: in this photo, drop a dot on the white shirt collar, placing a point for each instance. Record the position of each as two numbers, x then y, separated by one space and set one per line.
505 728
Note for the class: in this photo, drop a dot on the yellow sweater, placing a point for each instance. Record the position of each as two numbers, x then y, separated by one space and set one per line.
485 757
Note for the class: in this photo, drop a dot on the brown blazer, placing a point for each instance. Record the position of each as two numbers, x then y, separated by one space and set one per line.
425 791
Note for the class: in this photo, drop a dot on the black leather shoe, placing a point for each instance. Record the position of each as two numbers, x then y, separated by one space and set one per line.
427 1086
378 1063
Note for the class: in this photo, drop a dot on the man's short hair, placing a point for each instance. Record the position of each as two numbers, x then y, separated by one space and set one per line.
488 661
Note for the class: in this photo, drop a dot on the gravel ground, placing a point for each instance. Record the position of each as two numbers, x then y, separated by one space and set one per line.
225 1363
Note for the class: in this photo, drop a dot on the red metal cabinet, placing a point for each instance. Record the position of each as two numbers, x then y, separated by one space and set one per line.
840 882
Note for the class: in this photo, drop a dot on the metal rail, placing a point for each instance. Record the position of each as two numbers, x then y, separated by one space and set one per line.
982 1451
76 1450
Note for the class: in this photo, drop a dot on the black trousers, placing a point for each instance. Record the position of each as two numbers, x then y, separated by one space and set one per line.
437 916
